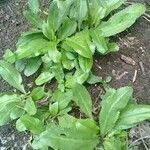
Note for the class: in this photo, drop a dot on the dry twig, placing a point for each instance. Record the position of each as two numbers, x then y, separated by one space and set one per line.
135 76
145 137
143 140
142 67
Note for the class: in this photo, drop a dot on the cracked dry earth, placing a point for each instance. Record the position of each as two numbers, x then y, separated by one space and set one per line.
130 66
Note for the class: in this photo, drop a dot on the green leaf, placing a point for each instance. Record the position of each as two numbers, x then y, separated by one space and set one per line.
96 12
9 56
27 37
63 98
85 63
10 108
48 32
47 61
83 99
64 138
20 126
65 111
58 73
68 121
33 18
11 75
92 79
67 29
53 16
32 124
70 55
80 76
33 48
30 106
115 143
57 13
64 7
33 64
20 65
44 77
132 115
80 43
38 93
17 112
54 108
42 114
78 12
34 5
66 62
121 20
113 102
82 12
110 5
102 44
53 53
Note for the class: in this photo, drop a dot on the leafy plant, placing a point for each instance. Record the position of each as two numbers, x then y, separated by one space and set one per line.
60 48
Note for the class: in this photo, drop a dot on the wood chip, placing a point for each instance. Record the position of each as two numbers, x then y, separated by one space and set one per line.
142 67
128 60
135 76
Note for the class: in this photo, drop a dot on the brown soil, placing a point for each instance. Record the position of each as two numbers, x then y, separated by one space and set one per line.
134 43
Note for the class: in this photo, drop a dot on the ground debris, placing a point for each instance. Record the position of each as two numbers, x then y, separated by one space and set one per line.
128 60
135 76
142 67
119 76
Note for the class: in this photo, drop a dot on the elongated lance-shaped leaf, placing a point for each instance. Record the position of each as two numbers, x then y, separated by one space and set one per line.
9 56
67 29
11 75
34 125
57 13
132 115
53 16
48 32
53 53
82 12
113 102
85 63
96 12
111 5
33 64
44 77
30 106
68 121
10 108
102 44
27 37
33 47
34 6
33 18
121 20
66 138
83 99
80 43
